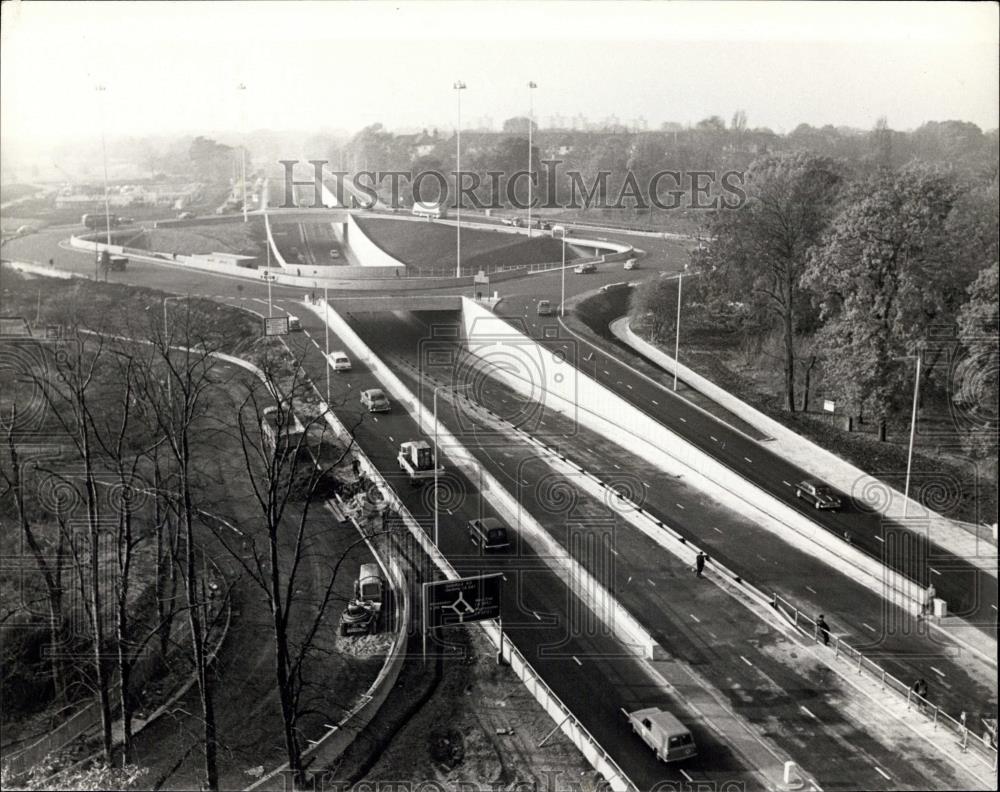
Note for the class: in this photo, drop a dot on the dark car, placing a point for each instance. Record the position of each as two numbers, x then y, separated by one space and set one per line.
818 494
489 533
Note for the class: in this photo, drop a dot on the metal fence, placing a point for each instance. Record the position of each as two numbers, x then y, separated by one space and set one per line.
959 728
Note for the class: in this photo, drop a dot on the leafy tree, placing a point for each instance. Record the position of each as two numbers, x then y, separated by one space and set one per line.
978 385
880 274
759 250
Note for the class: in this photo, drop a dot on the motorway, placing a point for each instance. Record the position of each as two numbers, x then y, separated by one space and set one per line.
610 682
795 701
970 592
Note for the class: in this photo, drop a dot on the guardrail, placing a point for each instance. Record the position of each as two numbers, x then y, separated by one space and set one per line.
958 727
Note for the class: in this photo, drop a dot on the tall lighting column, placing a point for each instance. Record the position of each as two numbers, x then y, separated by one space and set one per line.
104 154
459 86
243 146
531 122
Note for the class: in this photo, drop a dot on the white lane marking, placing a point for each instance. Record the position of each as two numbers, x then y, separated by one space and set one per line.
714 438
879 538
689 779
812 589
650 582
537 616
647 487
785 483
683 420
807 712
938 671
746 661
375 418
748 459
932 569
993 606
577 659
716 529
391 440
306 334
658 404
607 372
617 465
613 550
591 450
679 506
695 618
867 626
882 773
761 557
628 386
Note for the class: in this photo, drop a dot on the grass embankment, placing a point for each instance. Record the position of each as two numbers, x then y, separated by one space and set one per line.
429 248
245 239
751 370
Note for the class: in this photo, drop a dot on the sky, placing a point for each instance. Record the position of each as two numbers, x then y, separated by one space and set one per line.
176 67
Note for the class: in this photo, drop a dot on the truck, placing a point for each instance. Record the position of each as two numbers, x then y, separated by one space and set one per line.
369 587
416 459
113 263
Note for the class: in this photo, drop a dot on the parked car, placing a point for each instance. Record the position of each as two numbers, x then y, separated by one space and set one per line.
339 361
374 400
544 308
359 618
294 324
632 264
489 533
584 269
818 494
613 287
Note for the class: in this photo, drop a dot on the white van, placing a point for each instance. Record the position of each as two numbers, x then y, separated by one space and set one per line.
369 587
661 731
339 361
294 325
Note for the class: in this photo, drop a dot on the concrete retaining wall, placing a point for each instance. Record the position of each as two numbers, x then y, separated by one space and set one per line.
542 376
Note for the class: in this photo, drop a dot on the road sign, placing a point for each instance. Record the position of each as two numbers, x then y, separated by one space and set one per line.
275 325
450 602
829 406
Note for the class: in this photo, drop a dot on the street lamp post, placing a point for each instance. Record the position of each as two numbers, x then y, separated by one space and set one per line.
677 336
562 302
243 147
452 388
166 344
459 86
326 322
913 430
531 122
104 153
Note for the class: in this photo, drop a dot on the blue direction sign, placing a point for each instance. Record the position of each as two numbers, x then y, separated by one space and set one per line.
449 602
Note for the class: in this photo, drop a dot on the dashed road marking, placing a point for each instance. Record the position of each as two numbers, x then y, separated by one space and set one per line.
993 606
613 550
785 483
689 779
628 386
938 671
647 487
537 616
650 582
681 507
748 459
807 712
375 418
716 529
882 773
880 539
761 557
714 438
577 659
746 661
606 372
812 589
391 440
867 626
695 618
932 569
619 467
658 404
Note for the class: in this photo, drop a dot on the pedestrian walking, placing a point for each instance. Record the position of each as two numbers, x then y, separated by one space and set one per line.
824 629
929 596
699 563
356 467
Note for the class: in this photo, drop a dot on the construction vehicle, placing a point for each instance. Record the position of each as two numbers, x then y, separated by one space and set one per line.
416 459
